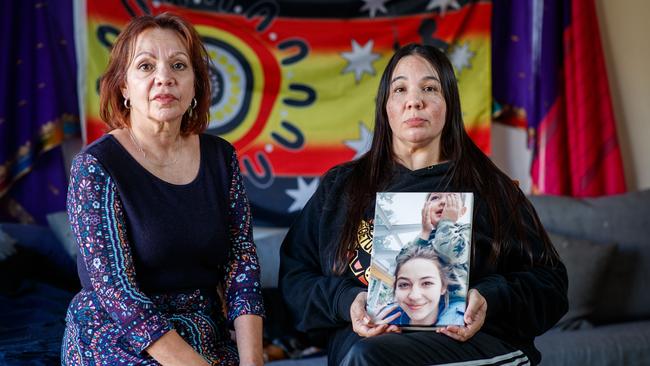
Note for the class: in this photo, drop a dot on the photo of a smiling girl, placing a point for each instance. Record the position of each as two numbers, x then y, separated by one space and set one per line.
421 289
425 283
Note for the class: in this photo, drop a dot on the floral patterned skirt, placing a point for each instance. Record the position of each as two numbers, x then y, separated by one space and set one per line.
92 337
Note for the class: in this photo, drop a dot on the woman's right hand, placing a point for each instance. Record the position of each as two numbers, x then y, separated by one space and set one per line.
361 323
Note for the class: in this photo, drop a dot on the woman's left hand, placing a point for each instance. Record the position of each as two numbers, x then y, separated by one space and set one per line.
474 318
248 334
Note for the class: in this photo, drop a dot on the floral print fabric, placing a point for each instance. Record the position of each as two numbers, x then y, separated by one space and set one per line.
115 321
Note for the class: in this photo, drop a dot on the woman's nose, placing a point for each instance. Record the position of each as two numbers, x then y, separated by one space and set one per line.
164 76
414 101
414 294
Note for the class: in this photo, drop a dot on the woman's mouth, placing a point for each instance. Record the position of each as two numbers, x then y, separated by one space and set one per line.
415 122
164 98
414 307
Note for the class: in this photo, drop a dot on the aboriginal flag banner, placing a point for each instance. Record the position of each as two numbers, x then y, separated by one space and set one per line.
294 83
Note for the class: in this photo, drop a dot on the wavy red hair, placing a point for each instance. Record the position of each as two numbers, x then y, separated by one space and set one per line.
112 109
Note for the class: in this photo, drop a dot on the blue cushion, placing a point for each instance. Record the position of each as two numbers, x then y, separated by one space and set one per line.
622 219
41 240
616 344
586 264
7 246
268 241
60 226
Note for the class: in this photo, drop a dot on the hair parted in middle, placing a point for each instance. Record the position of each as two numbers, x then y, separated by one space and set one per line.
470 170
113 110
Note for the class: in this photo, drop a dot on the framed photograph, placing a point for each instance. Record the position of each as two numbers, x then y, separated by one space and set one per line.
419 272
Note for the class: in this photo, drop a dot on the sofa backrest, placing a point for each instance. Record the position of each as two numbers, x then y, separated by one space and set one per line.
268 241
623 219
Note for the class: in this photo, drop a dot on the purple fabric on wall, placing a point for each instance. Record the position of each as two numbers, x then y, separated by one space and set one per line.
511 38
38 106
527 54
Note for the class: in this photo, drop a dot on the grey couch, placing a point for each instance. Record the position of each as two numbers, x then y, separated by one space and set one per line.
605 244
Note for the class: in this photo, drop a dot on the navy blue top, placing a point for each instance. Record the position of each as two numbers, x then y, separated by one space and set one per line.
152 254
178 233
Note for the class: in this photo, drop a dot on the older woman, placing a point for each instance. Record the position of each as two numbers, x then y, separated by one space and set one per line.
517 283
161 217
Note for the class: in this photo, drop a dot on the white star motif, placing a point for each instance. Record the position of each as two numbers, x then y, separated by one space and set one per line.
361 145
460 57
443 5
360 59
373 5
302 194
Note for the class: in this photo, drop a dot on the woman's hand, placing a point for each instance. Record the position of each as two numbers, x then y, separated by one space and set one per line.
474 318
172 349
248 332
361 321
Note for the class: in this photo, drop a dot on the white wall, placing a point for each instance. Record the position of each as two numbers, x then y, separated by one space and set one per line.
625 34
625 37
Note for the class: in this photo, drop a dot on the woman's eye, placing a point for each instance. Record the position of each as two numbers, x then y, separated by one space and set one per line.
430 89
179 66
403 285
427 284
145 67
398 90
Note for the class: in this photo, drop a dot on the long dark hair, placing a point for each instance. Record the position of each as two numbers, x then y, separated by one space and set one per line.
470 169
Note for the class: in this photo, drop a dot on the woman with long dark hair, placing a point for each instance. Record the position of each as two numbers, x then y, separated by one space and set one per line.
518 284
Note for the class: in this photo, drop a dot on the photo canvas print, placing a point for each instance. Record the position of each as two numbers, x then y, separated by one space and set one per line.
419 272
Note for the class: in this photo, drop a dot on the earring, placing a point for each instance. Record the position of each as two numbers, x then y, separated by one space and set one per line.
192 106
127 104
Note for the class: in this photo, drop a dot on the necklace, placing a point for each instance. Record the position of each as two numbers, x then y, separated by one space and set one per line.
144 153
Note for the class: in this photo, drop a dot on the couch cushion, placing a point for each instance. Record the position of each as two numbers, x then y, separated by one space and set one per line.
616 344
268 241
41 240
39 256
586 263
623 219
7 245
60 226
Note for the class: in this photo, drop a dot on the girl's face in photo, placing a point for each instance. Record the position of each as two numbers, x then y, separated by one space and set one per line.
418 290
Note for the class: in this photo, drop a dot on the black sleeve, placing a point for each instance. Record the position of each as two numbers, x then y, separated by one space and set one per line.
316 298
523 300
